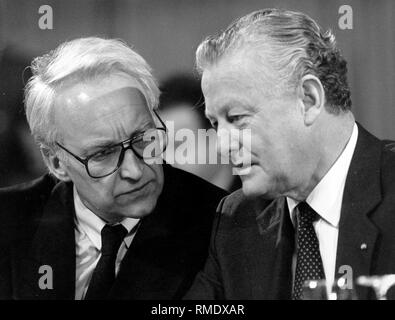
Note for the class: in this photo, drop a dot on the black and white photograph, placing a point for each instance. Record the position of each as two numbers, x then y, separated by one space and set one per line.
187 153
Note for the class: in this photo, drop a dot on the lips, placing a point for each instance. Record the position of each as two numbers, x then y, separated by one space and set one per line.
134 190
243 162
242 171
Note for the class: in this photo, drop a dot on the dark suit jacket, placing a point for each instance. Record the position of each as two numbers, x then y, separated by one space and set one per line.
168 250
253 239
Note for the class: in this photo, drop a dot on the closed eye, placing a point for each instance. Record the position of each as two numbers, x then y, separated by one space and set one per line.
213 121
235 118
104 153
214 124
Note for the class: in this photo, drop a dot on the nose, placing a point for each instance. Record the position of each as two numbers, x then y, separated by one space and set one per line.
131 166
227 140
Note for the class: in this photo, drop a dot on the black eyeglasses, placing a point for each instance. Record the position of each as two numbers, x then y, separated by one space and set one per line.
147 145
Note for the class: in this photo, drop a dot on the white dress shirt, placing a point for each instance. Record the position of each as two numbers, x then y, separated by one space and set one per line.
326 200
88 228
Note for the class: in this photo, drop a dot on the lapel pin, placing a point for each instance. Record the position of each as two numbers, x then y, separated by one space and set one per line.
364 246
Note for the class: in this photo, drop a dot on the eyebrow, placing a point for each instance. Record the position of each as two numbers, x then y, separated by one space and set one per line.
92 148
208 115
146 125
230 105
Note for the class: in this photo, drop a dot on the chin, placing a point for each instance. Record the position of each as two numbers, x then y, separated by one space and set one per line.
139 210
256 186
250 189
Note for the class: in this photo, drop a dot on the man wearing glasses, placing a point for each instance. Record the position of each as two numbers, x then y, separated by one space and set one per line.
110 222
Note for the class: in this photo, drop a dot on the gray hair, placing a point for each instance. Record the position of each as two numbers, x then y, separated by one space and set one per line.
292 44
79 60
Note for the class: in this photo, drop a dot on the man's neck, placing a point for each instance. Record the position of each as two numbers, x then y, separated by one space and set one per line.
332 138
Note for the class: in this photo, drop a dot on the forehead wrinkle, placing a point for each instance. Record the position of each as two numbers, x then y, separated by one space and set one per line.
119 129
107 118
114 96
220 79
110 104
226 99
74 104
245 70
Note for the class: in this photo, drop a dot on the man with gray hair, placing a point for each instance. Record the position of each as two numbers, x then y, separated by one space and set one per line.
110 221
318 198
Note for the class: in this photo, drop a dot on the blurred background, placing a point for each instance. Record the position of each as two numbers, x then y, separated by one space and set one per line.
166 33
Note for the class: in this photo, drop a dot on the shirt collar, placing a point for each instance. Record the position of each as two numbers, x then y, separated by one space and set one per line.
90 224
326 197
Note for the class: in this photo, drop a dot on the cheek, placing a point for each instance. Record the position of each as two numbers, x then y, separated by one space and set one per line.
98 191
102 188
269 153
259 146
157 172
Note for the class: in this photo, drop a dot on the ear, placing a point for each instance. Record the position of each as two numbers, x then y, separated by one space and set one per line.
55 164
313 98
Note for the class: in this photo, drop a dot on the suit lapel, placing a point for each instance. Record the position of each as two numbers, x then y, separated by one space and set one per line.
362 193
146 262
147 271
275 252
357 233
53 247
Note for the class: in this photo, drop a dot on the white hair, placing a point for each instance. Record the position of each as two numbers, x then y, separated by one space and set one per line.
290 45
79 60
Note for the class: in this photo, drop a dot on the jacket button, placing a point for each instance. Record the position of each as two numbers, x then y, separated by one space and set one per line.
364 246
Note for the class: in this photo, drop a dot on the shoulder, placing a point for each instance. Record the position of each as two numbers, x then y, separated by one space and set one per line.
191 189
239 211
373 163
188 204
20 203
26 193
389 145
388 166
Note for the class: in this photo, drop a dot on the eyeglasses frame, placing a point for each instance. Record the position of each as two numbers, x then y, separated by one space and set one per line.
126 144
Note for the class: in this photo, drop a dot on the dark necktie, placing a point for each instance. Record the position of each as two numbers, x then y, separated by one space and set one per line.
308 261
104 275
